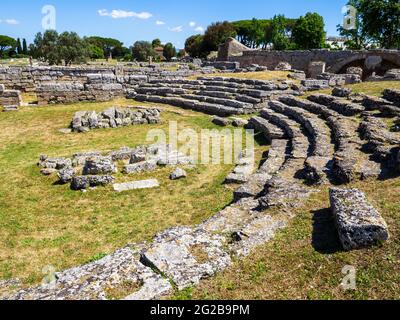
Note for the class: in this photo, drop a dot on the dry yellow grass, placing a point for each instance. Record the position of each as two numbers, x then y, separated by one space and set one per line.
265 75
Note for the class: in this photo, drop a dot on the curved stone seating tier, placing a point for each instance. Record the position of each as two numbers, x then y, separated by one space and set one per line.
386 107
269 130
392 95
382 143
256 182
340 105
299 141
322 151
349 162
248 95
208 108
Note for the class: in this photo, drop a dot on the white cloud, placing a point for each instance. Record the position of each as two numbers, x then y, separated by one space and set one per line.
176 29
199 29
192 24
160 23
12 22
122 14
103 12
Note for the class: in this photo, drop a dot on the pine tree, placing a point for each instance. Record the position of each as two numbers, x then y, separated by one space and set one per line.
24 47
19 47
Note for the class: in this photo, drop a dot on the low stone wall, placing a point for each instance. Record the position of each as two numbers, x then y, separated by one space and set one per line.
9 97
114 117
86 83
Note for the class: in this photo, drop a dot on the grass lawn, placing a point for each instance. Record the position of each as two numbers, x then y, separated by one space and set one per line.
45 224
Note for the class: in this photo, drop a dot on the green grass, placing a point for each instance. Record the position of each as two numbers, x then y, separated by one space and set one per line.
369 88
45 224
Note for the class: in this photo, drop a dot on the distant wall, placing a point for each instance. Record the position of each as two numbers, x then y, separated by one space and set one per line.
336 61
9 97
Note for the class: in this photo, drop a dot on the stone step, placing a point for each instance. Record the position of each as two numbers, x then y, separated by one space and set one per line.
10 108
256 182
208 108
135 185
349 162
244 168
382 143
299 141
283 191
268 129
340 105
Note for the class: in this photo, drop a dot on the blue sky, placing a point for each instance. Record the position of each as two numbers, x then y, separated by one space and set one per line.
169 20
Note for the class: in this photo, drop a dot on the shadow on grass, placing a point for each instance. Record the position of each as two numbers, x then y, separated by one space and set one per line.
325 239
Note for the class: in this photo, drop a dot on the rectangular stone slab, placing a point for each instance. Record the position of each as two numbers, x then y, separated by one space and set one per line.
134 185
359 224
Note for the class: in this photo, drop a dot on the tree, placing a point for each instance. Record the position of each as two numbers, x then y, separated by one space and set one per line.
6 43
169 51
381 21
110 46
24 47
309 32
377 21
278 33
55 48
194 46
143 50
46 47
19 46
217 34
156 43
71 48
95 52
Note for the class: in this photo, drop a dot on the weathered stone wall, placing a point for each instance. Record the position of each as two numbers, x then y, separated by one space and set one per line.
336 61
9 97
28 78
86 83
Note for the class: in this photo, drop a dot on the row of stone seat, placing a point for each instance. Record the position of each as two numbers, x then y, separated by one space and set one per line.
321 149
383 144
349 162
208 108
248 96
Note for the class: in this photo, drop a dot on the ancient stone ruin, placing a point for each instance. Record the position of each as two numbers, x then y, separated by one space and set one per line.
323 139
92 169
114 117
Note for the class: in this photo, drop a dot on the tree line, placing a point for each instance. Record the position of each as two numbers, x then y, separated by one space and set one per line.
68 47
377 25
278 33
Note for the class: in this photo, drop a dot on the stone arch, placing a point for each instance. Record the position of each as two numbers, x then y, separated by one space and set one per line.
389 60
